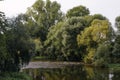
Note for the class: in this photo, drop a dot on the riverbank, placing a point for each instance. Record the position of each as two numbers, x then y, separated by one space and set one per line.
60 64
51 64
56 70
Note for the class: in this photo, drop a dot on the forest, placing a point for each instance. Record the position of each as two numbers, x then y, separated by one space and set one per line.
45 31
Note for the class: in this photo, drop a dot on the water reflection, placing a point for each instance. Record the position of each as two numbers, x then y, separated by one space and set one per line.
73 73
116 75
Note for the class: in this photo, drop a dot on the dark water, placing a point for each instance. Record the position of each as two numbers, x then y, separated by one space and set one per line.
73 73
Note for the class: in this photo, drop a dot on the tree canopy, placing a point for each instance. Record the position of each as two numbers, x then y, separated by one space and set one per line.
45 31
92 36
63 38
43 14
78 11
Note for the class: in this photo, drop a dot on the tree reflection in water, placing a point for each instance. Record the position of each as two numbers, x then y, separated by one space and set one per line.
72 73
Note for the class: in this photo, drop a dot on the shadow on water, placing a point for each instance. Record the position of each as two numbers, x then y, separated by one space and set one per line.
73 72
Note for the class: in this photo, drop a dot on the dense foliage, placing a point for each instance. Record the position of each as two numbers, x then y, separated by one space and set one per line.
14 76
78 11
61 40
92 37
116 51
41 16
16 46
44 30
4 56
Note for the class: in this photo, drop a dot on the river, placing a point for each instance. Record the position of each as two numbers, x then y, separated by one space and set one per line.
68 71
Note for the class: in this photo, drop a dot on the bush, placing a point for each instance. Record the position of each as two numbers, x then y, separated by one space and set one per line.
100 63
87 60
14 76
101 57
89 57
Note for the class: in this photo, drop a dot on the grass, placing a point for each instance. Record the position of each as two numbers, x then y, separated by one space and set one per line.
14 76
40 58
114 66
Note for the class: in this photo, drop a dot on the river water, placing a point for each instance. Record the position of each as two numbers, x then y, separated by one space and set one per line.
70 72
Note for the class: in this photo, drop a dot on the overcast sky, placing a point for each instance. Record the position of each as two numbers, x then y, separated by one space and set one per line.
108 8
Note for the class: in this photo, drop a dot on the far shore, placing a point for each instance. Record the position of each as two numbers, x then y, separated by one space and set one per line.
51 64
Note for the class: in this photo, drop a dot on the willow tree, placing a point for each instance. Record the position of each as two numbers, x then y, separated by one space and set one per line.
92 36
61 40
19 44
4 56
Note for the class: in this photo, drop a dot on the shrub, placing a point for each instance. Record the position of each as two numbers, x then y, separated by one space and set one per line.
14 76
100 63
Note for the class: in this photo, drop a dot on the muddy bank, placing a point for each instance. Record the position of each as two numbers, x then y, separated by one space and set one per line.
48 64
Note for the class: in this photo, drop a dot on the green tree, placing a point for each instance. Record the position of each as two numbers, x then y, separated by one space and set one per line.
3 23
117 23
116 52
90 18
99 16
19 43
43 14
61 40
102 55
4 56
78 11
92 36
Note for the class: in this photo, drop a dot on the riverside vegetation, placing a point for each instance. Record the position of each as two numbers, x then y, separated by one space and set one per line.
45 31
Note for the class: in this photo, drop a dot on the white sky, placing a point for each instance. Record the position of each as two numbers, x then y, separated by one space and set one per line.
108 8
